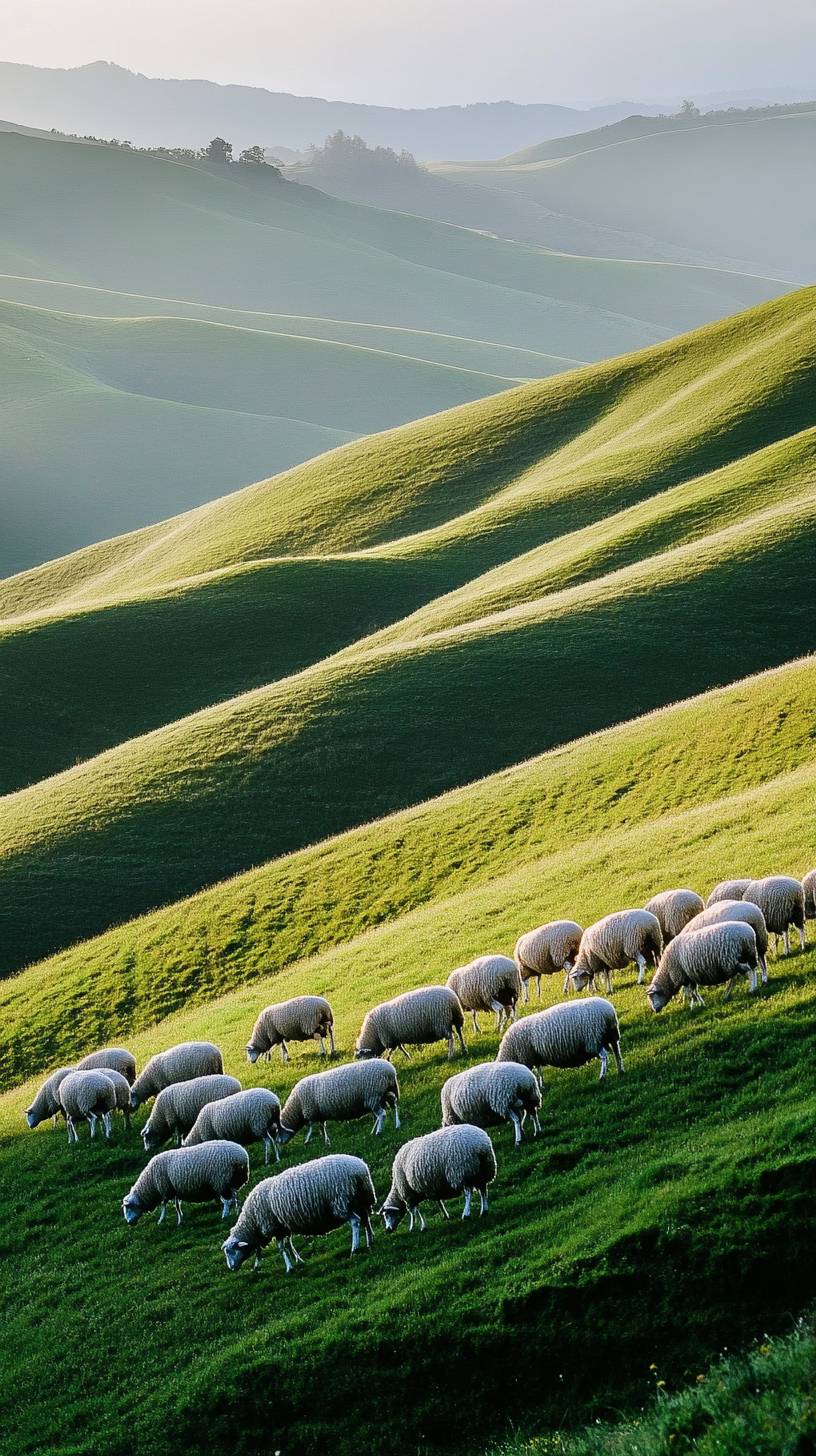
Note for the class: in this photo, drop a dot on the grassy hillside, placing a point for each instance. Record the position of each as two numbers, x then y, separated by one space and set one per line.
620 600
600 1253
657 768
733 191
138 417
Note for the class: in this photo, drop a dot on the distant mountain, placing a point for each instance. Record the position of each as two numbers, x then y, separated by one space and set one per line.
105 100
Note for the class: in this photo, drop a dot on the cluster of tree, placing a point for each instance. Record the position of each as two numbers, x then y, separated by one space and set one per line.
690 112
217 150
341 150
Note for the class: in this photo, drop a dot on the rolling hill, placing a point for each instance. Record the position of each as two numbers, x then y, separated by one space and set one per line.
569 543
740 192
143 421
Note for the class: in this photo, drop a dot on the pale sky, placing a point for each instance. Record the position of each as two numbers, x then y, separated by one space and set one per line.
428 52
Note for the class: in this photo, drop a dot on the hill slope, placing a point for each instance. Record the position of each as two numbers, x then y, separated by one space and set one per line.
623 609
739 191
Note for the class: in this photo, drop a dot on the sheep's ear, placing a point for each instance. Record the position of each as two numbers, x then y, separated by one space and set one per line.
243 1244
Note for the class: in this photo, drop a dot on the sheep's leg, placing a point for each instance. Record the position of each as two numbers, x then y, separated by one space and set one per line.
405 1052
309 1131
421 1220
527 989
282 1251
729 988
267 1144
536 1125
92 1121
410 1220
608 981
460 1035
331 1039
763 965
72 1135
284 1052
468 1200
179 1214
321 1043
162 1212
787 940
641 965
604 1056
514 1118
443 1208
226 1206
475 1026
396 1113
106 1125
484 1205
754 979
256 1262
354 1224
326 1138
802 940
369 1232
567 969
379 1122
616 1049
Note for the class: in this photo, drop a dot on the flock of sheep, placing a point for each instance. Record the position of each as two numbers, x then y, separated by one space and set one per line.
688 944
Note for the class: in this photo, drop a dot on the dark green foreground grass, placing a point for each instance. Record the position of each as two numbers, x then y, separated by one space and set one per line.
758 1404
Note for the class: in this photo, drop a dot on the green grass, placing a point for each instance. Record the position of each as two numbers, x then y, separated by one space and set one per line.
611 1243
757 1404
654 528
734 192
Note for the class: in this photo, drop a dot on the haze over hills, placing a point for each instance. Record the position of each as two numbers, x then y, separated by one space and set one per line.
106 100
566 531
340 319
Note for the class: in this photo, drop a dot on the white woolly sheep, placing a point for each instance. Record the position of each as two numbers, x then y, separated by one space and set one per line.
674 909
178 1064
615 942
416 1018
704 957
313 1198
566 1035
782 901
341 1095
439 1165
303 1018
489 983
728 890
546 951
492 1093
87 1097
809 894
244 1117
47 1103
177 1107
215 1170
115 1059
739 910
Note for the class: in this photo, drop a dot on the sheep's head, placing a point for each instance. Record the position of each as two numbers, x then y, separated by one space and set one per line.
236 1252
132 1208
580 977
253 1052
135 1099
657 998
150 1138
391 1216
32 1116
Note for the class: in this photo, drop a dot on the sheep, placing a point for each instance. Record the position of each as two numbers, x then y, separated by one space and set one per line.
809 894
705 957
728 890
546 950
439 1165
121 1087
47 1103
566 1035
243 1117
749 914
200 1175
782 901
674 909
303 1018
87 1097
429 1014
614 942
177 1107
313 1198
115 1059
178 1064
491 1093
489 983
340 1095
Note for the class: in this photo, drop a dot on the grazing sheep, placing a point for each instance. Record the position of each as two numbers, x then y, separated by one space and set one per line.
177 1107
674 909
429 1014
115 1059
744 910
121 1087
87 1097
728 890
47 1103
704 957
547 950
313 1198
199 1175
490 983
566 1035
244 1117
439 1165
613 943
341 1095
809 894
782 901
178 1064
303 1018
491 1093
